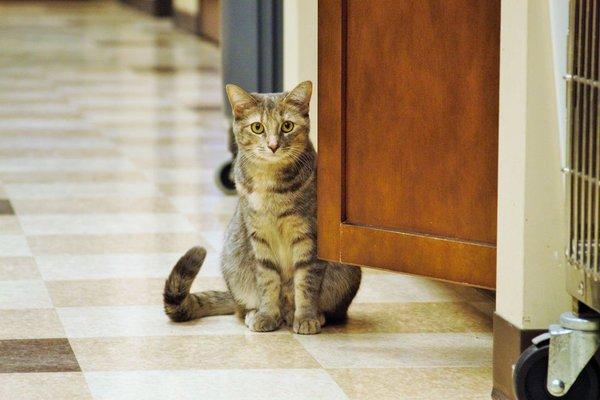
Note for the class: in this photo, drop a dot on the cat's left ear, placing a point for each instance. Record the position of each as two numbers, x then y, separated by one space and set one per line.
300 95
239 99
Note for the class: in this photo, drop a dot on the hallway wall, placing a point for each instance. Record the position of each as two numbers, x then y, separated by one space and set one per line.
300 49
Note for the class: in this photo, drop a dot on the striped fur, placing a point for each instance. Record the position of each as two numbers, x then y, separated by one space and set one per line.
181 305
269 258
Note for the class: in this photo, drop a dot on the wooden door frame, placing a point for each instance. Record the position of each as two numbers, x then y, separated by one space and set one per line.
457 260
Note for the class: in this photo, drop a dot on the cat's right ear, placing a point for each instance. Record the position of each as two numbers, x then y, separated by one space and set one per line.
239 99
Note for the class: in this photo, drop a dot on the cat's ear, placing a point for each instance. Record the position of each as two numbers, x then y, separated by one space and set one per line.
300 95
239 99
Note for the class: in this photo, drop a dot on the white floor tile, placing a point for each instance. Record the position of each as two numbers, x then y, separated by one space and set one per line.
106 266
296 384
14 246
24 294
399 350
87 322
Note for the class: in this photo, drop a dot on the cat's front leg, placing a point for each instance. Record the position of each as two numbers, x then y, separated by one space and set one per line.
287 300
268 315
307 288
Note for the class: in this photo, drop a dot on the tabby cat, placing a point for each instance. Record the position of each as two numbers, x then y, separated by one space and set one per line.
269 259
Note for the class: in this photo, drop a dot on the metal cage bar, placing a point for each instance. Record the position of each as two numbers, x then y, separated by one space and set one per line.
583 156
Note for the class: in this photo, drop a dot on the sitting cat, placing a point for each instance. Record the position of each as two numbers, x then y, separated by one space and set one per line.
269 259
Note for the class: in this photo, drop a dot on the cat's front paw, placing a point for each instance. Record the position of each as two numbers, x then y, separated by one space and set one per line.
307 325
262 322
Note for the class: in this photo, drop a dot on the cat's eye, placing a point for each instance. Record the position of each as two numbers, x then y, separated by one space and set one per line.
287 126
257 128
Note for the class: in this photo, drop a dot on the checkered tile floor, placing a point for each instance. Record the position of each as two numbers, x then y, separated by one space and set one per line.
110 131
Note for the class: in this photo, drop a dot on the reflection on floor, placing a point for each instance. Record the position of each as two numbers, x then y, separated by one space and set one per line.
110 133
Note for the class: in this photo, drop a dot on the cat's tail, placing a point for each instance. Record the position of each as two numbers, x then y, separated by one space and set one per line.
180 304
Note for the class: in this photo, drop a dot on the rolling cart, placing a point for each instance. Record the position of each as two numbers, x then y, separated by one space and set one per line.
252 57
562 363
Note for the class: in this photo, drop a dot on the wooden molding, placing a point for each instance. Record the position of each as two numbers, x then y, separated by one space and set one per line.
440 258
331 82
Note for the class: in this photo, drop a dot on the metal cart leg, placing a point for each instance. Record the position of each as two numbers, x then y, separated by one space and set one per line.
560 364
224 174
573 343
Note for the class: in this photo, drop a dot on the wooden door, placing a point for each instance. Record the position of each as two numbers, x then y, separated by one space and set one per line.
408 136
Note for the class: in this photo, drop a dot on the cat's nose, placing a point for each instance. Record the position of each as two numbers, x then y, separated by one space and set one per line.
273 147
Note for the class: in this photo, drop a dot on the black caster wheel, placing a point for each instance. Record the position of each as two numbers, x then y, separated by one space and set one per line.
531 373
224 180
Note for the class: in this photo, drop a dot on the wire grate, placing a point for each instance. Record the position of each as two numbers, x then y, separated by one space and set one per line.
583 171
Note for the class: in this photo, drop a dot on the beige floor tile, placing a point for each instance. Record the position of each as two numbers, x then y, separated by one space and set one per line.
30 324
192 352
43 164
400 350
44 386
122 321
175 162
61 190
415 383
46 124
9 225
26 142
414 318
60 152
189 189
175 140
50 133
216 205
16 268
89 224
288 384
111 244
98 205
383 286
214 237
118 292
212 222
72 176
184 176
201 150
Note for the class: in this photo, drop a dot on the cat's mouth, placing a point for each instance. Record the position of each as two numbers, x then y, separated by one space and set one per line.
269 156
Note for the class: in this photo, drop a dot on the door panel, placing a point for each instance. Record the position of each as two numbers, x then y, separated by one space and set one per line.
408 117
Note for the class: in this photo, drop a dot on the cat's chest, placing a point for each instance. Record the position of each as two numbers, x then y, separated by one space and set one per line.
280 234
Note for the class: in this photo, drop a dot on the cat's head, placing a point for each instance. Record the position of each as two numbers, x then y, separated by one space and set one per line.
271 127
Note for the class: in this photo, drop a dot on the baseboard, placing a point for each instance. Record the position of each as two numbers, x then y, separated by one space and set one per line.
509 343
159 8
